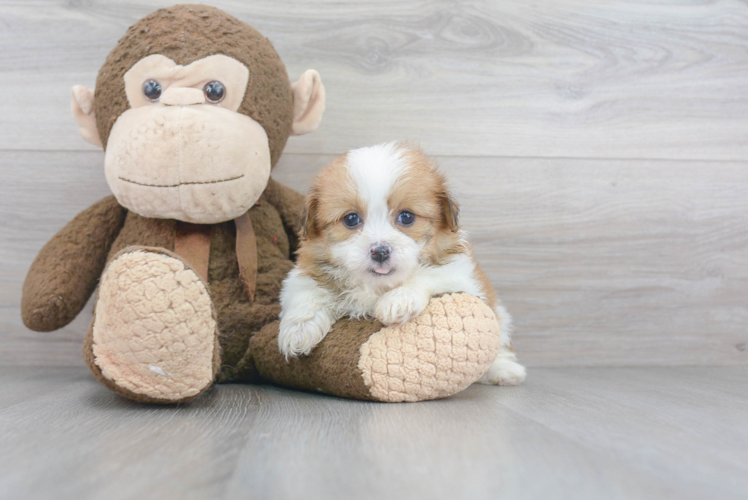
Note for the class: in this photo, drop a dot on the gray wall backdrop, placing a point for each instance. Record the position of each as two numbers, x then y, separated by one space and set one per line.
599 150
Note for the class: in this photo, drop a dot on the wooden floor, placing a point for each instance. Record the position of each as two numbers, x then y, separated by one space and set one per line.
581 433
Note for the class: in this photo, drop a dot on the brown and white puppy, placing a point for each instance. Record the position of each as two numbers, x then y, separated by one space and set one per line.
379 239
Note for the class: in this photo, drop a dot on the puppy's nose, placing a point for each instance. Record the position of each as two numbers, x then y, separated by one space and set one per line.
380 253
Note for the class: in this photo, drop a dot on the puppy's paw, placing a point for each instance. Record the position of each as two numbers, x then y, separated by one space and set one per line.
299 337
504 371
400 305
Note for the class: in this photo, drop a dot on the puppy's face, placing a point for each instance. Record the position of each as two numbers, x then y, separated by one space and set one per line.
375 214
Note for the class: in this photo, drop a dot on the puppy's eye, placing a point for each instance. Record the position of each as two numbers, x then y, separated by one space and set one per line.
351 220
406 218
152 90
214 92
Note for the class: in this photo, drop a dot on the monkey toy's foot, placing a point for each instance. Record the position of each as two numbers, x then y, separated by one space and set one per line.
437 354
154 334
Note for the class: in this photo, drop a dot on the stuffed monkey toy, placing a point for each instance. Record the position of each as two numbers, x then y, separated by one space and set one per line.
193 109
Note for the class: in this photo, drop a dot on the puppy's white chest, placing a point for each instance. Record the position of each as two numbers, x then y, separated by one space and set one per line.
359 302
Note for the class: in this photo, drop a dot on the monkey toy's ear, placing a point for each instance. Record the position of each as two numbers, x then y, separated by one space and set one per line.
82 105
308 102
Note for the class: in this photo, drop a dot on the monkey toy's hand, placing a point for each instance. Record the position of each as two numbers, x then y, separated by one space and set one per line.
66 271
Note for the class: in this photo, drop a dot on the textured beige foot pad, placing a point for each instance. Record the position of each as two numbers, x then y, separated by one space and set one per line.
444 350
154 333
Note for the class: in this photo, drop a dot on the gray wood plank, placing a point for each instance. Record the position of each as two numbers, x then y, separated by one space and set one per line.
567 433
473 78
600 262
642 416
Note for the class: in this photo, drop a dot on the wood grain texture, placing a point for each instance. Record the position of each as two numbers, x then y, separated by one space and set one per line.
600 262
568 78
577 433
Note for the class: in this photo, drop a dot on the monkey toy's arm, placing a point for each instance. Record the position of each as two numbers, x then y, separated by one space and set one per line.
65 273
289 204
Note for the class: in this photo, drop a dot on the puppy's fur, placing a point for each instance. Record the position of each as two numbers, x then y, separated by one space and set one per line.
360 257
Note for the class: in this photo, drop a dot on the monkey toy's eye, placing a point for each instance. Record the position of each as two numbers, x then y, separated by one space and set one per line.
406 218
214 92
352 220
152 90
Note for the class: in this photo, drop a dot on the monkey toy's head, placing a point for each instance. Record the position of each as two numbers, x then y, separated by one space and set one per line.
193 108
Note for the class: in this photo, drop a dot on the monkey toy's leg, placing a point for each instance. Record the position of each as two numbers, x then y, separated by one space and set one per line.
154 336
439 353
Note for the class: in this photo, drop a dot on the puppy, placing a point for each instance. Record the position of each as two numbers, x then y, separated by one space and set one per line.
379 239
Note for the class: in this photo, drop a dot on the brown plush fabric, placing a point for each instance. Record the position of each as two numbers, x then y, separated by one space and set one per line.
202 31
237 317
66 271
142 231
290 205
332 367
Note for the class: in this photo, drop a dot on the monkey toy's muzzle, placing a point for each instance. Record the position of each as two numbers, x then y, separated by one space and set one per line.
196 163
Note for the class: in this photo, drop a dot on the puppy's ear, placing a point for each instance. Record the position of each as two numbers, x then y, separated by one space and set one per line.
450 211
308 223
